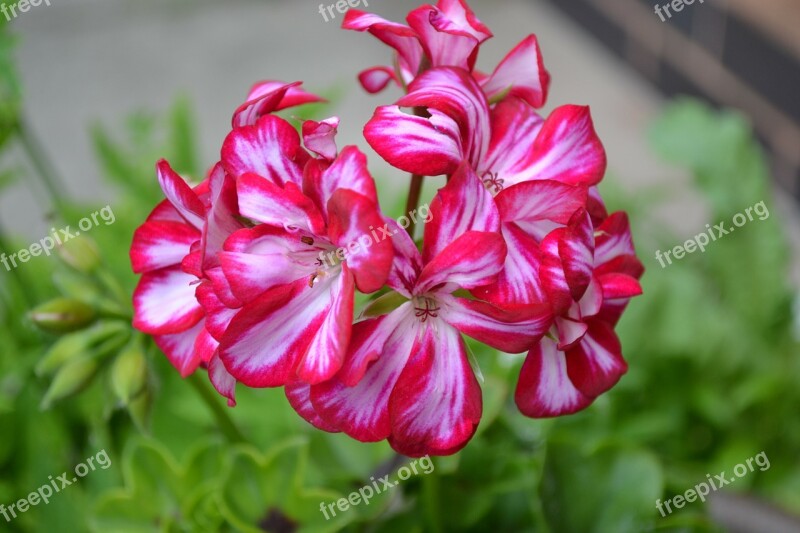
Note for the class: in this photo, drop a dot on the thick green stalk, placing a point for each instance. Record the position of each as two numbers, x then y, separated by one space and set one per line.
226 424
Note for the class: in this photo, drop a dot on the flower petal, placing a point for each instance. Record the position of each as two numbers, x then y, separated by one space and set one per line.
222 380
325 354
348 171
425 146
164 302
375 80
511 330
532 202
398 36
567 149
362 411
596 364
270 148
263 201
472 260
299 396
180 195
445 43
544 389
267 338
522 73
222 218
181 349
158 244
436 404
455 93
218 315
515 127
320 137
352 219
268 96
462 205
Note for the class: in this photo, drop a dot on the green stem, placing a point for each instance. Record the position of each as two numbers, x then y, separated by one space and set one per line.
414 192
415 189
430 495
220 414
44 168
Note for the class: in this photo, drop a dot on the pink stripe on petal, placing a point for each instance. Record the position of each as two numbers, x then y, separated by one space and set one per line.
596 364
164 302
223 382
299 396
511 330
375 80
266 339
424 146
462 205
567 148
180 195
180 349
270 149
436 405
522 73
362 411
544 389
159 244
325 355
261 200
473 260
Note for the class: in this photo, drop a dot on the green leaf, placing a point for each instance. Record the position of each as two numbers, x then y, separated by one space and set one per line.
611 489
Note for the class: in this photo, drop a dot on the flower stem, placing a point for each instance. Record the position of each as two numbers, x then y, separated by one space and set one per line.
414 192
226 424
415 189
41 163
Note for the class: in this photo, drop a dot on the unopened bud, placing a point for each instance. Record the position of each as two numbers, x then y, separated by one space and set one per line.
80 253
70 380
62 315
129 373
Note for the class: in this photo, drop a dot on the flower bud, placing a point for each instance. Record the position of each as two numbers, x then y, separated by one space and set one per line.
129 374
62 315
140 409
77 344
70 380
81 254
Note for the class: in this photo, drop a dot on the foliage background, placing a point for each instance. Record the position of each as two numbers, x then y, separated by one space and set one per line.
712 348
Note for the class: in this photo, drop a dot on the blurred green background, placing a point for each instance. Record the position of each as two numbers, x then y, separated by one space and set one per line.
712 348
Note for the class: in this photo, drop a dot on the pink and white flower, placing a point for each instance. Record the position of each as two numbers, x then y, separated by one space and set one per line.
407 376
590 274
450 35
297 291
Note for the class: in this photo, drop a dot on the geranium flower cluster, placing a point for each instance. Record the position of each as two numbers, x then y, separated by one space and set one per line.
519 251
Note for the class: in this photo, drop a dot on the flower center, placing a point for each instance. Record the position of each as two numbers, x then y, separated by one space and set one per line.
492 181
425 308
